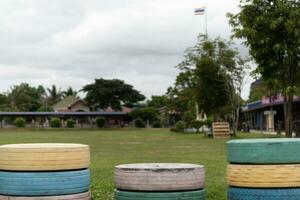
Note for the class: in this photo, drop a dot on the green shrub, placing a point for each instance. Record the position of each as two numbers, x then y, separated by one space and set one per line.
100 121
70 123
156 124
139 123
198 124
179 126
55 122
20 122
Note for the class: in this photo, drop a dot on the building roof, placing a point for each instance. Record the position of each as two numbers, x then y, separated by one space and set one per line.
67 102
124 109
61 114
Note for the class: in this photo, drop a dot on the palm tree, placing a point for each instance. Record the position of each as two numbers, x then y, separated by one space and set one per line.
55 95
70 92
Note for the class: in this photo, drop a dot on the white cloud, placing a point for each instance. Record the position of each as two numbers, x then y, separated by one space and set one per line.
71 42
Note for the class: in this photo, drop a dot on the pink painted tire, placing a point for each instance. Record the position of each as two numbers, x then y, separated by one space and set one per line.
159 177
81 196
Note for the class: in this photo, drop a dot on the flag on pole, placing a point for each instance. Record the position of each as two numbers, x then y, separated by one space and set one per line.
200 11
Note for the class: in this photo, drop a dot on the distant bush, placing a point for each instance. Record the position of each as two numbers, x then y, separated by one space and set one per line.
179 127
55 122
70 123
20 122
100 121
156 124
198 124
139 123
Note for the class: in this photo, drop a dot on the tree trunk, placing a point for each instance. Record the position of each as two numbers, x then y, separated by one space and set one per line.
288 116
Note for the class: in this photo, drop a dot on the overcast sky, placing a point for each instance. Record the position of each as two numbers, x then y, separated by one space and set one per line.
72 42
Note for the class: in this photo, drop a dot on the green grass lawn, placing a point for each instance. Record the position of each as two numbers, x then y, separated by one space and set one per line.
113 147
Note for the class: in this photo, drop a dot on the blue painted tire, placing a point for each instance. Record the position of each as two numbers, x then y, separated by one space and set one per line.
188 195
44 183
263 194
264 151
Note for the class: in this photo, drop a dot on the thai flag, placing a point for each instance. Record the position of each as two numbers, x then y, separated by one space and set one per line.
200 11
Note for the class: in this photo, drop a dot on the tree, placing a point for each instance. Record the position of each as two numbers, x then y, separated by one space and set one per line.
208 75
158 101
4 102
114 93
271 29
147 114
24 97
69 92
54 95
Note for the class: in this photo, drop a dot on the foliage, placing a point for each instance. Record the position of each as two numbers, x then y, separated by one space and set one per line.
179 126
24 97
20 122
69 92
156 124
55 122
207 77
146 114
158 101
104 93
70 123
139 123
45 109
4 102
55 95
271 30
100 121
198 124
188 117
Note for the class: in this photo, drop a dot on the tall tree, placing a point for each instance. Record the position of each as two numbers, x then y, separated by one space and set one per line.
158 101
54 95
209 72
70 92
271 29
24 97
114 93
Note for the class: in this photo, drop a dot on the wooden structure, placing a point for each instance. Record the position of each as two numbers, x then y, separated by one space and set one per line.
221 130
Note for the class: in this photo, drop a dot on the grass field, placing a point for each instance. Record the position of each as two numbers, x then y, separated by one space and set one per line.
113 147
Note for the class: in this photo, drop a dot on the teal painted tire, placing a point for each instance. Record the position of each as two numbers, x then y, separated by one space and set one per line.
44 183
80 196
263 194
264 151
189 195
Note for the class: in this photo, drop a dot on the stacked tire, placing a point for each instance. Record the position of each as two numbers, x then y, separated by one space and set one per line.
159 181
44 172
264 169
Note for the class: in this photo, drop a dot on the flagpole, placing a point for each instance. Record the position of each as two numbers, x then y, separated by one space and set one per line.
206 22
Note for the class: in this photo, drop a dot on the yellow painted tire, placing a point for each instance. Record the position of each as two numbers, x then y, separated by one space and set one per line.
264 176
44 157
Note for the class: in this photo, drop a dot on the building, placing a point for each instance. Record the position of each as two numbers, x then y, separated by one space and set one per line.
71 104
70 107
267 114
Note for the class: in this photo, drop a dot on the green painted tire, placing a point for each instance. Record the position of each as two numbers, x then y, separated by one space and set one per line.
264 151
189 195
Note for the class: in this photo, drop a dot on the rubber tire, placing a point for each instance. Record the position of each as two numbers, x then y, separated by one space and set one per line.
80 196
262 194
264 176
44 183
264 151
190 195
159 177
44 157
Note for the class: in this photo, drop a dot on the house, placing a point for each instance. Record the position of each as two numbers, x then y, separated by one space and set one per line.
267 114
71 104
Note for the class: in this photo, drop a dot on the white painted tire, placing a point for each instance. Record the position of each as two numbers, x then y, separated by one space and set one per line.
81 196
44 157
159 177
